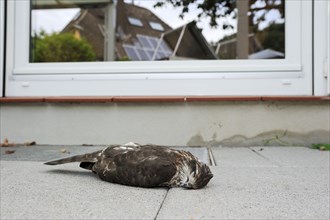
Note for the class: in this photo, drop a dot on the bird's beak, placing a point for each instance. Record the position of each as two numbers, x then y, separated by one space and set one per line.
186 185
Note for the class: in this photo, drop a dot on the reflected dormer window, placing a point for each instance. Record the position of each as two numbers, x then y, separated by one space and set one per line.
135 21
156 26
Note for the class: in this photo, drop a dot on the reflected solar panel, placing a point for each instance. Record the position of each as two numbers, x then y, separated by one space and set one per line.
143 54
131 52
144 41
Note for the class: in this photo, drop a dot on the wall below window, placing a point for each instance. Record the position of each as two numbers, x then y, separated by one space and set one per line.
229 123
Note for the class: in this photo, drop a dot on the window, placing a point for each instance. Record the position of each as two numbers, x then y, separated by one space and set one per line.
148 48
263 35
135 22
285 68
144 41
2 31
156 26
132 53
322 48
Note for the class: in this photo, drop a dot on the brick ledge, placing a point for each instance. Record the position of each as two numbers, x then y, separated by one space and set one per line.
150 99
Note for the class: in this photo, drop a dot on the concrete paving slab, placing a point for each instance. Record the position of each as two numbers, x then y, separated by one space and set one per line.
295 156
200 152
254 193
248 183
239 157
31 190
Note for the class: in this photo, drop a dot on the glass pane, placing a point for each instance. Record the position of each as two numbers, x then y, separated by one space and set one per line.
156 26
131 53
135 22
143 54
144 41
123 30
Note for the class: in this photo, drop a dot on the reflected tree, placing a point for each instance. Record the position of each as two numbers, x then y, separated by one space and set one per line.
215 9
248 13
60 47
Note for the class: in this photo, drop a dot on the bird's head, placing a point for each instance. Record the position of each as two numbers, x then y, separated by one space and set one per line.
195 175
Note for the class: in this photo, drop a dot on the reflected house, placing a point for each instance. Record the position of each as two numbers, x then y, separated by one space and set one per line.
139 35
188 42
89 24
227 49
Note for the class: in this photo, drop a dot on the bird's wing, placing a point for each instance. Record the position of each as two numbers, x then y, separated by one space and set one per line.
135 168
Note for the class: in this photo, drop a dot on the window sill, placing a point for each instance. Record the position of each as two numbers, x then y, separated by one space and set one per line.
155 99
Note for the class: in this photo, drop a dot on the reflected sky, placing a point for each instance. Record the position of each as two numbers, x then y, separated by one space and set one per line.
54 20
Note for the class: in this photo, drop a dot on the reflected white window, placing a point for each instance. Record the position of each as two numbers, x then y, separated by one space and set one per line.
144 41
2 33
135 22
132 53
252 36
153 42
143 49
199 60
156 26
143 54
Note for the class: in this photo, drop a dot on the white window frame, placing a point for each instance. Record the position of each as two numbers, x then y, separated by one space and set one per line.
322 48
2 31
289 76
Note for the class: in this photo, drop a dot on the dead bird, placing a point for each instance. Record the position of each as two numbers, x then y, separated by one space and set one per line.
144 166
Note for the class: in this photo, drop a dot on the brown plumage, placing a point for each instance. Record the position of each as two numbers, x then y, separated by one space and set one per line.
144 166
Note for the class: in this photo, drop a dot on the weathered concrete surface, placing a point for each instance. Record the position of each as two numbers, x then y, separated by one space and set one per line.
279 138
31 190
267 183
248 183
295 156
239 157
176 124
253 193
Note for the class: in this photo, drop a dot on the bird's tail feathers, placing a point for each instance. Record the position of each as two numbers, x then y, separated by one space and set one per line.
91 157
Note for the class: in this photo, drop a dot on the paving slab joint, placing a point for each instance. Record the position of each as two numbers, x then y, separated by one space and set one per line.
161 205
266 158
211 157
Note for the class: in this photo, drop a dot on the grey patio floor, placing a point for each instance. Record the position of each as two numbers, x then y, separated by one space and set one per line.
248 183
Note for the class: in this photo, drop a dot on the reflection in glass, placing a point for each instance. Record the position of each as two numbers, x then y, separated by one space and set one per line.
141 30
